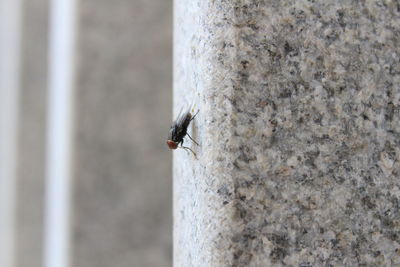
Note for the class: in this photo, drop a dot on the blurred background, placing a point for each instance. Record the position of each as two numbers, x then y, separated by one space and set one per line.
121 202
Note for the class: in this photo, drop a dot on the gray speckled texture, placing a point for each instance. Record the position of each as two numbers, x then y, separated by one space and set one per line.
299 129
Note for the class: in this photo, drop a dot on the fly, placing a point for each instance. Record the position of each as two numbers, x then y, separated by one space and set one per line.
179 130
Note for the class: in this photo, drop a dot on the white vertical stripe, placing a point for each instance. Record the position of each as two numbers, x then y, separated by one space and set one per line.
10 31
59 134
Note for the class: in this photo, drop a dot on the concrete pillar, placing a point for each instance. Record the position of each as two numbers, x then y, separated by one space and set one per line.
299 132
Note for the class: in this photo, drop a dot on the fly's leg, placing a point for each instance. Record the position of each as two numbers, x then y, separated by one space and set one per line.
191 120
195 115
192 139
187 148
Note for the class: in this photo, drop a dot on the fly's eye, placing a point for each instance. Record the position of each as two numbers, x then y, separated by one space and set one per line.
171 144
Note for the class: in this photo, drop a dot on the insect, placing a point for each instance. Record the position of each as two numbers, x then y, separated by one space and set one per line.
179 130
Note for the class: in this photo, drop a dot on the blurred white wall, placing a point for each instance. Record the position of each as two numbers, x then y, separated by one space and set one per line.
10 34
121 175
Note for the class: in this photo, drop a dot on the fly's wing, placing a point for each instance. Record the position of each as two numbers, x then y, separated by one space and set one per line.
172 130
179 127
183 119
179 114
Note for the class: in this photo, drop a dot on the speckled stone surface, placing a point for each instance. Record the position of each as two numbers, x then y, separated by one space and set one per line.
299 132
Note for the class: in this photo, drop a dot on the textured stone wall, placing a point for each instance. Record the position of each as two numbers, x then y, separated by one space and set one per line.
299 132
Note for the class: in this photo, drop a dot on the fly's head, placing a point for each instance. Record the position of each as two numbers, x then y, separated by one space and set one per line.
172 145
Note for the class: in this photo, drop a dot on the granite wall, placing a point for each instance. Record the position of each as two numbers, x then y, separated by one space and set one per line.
299 132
